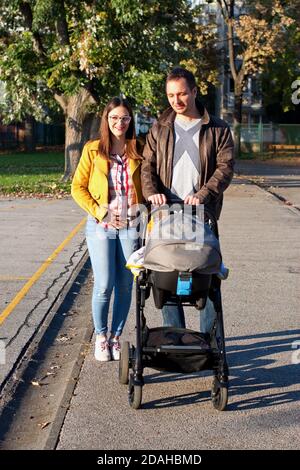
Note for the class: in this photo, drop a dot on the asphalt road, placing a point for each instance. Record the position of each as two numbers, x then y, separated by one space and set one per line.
81 404
42 242
279 176
261 245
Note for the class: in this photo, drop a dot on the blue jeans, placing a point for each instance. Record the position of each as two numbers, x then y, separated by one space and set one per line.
109 249
173 315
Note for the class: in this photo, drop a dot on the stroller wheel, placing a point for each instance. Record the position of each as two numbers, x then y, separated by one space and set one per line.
135 396
219 396
124 364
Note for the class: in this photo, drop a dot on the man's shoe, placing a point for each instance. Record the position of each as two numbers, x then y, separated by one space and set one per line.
102 350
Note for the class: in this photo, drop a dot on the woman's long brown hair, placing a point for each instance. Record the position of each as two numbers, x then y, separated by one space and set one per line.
105 144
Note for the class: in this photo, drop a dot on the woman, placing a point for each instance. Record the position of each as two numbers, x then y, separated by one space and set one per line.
107 185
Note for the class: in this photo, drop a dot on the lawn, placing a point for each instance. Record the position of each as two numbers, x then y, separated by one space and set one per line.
37 174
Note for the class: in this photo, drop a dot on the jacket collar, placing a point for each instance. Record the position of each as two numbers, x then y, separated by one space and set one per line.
94 145
168 116
103 164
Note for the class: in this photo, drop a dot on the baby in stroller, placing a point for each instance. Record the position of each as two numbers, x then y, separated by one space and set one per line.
182 265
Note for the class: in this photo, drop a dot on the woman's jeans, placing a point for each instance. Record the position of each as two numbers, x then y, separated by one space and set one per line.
109 249
173 315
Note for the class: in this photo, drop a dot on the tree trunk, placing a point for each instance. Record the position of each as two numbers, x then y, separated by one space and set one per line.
237 120
73 143
29 135
91 126
75 108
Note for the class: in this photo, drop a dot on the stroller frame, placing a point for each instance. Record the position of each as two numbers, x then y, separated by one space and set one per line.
137 357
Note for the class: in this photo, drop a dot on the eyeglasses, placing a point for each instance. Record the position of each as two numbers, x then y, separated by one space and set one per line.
124 119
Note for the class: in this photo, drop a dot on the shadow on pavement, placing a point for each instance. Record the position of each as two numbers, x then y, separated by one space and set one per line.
252 368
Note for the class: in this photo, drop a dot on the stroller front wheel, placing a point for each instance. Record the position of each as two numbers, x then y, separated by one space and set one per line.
124 363
219 396
135 396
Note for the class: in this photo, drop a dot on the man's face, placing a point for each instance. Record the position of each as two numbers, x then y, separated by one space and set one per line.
180 96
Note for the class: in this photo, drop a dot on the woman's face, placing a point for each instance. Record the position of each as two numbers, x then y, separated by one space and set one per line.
118 121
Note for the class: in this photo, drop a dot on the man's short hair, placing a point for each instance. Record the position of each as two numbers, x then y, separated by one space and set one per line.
180 72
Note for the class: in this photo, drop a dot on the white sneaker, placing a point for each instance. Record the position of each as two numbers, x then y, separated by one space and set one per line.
115 348
102 351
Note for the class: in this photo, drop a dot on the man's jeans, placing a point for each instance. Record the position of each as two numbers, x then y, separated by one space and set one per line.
173 315
109 249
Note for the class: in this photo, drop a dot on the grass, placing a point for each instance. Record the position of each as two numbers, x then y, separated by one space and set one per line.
38 174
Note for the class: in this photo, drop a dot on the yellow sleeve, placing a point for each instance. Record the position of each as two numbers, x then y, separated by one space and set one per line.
80 184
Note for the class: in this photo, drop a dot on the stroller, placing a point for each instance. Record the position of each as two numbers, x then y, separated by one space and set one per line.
180 266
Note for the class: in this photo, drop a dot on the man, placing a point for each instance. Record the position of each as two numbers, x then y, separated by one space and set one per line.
188 156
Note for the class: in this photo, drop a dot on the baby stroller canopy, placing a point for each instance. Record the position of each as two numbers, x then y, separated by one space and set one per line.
182 242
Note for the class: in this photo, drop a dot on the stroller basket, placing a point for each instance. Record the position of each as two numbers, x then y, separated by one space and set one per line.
177 350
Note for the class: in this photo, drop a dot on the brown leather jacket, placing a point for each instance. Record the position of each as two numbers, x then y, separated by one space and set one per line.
216 157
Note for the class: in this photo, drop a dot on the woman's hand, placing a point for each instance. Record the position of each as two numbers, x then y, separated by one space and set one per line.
117 223
158 199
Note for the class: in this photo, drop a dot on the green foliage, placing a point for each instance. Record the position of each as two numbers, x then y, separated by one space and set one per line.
282 72
107 47
268 46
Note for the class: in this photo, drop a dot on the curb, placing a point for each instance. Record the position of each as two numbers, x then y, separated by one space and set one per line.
19 399
277 197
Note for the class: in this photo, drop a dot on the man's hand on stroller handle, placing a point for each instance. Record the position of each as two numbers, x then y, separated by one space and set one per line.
160 199
192 200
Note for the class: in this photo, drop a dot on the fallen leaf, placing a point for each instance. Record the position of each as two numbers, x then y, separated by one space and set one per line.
44 425
36 384
63 338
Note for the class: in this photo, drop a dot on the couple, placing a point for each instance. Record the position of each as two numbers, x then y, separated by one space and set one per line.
188 155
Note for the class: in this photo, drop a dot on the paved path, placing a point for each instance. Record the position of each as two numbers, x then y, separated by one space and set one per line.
278 176
261 245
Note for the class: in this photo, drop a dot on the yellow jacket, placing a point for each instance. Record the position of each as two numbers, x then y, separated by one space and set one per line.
90 183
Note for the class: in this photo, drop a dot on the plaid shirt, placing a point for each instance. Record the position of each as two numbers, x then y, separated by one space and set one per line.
122 196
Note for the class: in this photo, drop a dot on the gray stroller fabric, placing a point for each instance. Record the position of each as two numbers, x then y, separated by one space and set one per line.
182 242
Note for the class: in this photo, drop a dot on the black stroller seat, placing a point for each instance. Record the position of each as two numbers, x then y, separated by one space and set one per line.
165 284
182 253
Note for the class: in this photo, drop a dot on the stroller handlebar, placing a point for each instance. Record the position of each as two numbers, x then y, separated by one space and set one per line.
152 208
209 217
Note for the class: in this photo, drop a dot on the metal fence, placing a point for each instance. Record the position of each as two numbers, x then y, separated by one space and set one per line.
254 137
12 136
270 137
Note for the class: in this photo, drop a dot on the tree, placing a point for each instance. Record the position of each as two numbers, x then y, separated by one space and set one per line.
76 55
254 37
280 74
